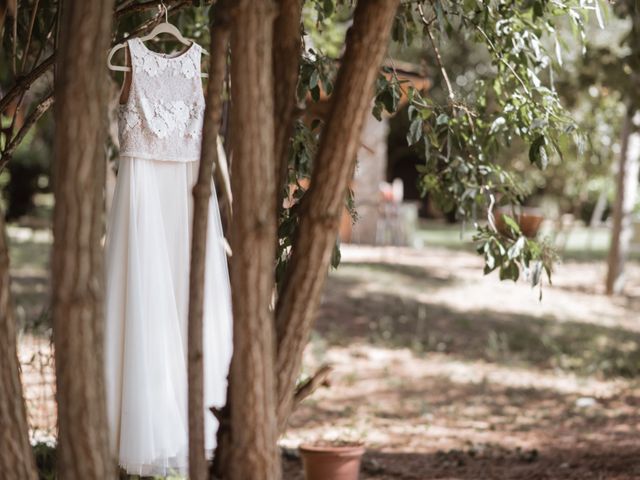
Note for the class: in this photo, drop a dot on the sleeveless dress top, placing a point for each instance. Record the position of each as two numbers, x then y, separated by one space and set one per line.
162 118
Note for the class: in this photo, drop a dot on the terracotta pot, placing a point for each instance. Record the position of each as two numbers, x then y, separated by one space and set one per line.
529 222
331 462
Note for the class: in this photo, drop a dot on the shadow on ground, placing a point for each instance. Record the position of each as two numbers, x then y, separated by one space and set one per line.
441 392
490 462
395 320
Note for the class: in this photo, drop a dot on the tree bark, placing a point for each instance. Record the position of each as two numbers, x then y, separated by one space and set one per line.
323 203
287 46
598 211
626 194
16 458
201 196
77 257
254 451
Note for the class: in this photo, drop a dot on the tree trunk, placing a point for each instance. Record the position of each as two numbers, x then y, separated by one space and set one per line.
626 194
16 458
201 196
599 209
77 259
287 45
324 201
254 451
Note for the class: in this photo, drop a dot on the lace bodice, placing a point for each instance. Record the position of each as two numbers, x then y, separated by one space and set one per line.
162 118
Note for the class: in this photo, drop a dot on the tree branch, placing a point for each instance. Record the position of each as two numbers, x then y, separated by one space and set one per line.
322 205
319 379
31 120
502 60
15 40
427 25
29 35
287 45
23 83
202 190
150 5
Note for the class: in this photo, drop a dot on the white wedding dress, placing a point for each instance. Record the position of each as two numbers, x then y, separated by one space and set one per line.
147 267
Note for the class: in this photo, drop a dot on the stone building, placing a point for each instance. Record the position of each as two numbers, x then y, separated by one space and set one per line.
382 219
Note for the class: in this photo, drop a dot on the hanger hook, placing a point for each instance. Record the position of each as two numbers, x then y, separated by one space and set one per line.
162 7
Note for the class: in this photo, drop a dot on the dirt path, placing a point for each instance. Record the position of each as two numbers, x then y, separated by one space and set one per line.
448 374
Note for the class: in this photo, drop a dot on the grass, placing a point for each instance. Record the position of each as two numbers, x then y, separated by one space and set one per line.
579 243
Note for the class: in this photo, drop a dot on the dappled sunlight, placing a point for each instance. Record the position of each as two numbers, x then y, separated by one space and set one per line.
455 280
397 402
439 369
468 315
38 377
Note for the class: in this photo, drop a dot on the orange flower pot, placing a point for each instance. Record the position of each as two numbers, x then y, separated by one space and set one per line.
528 221
329 462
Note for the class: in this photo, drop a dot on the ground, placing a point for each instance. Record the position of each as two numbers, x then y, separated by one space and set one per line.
447 374
443 373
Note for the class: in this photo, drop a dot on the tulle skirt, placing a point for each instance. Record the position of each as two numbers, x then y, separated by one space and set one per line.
146 305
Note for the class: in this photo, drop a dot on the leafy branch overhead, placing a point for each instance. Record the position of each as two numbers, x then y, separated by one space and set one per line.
513 105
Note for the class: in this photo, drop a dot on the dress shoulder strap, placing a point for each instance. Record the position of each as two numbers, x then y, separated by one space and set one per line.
133 44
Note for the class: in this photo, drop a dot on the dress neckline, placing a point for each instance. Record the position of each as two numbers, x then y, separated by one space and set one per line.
164 55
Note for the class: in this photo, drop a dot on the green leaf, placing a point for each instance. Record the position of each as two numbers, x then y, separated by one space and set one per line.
377 111
510 271
313 80
496 125
511 223
336 256
442 119
315 93
538 152
415 131
536 273
388 100
516 249
490 261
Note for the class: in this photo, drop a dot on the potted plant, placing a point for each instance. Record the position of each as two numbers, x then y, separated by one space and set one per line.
332 459
528 219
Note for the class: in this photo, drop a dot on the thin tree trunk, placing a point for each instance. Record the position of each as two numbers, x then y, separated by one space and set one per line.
16 458
626 194
201 196
324 201
599 209
254 451
77 259
287 45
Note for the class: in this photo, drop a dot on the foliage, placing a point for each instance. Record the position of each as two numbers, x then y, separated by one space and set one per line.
511 104
23 52
512 101
324 24
512 253
514 104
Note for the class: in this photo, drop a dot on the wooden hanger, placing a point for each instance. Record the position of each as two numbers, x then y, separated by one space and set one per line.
164 27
